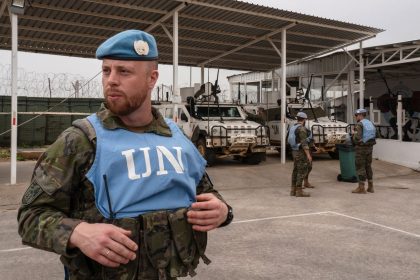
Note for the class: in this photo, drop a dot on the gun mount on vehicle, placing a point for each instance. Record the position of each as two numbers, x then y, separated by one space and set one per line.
326 133
218 130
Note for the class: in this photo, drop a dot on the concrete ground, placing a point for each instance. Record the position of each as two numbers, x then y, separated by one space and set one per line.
332 235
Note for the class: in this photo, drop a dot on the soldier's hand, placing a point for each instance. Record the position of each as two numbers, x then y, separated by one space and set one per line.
207 213
310 158
107 244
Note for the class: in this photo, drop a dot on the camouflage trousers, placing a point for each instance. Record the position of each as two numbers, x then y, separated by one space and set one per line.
301 168
363 157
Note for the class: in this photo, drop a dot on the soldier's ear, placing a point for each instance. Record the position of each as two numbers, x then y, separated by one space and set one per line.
154 75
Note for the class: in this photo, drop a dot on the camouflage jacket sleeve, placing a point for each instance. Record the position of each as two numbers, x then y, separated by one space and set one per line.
302 137
206 186
44 215
358 133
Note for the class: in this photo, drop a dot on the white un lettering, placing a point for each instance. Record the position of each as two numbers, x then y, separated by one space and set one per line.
161 152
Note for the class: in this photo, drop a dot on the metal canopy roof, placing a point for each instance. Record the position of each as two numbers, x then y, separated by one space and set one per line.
214 33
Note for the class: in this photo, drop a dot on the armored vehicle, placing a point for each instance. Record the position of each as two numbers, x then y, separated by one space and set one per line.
218 129
326 133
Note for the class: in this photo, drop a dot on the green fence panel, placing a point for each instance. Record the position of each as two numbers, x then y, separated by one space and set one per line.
42 129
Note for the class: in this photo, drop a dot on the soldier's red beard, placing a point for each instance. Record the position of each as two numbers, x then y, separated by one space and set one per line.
123 105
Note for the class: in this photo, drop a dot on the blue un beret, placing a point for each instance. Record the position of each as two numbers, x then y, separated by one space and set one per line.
129 45
360 111
302 115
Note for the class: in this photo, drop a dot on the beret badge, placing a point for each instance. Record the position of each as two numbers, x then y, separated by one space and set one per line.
141 47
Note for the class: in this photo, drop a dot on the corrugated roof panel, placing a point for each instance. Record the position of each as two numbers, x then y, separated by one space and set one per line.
310 40
207 30
323 31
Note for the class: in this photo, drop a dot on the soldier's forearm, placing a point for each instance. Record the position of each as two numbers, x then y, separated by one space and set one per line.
46 229
206 186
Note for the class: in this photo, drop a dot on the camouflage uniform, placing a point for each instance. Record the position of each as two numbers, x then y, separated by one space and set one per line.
301 165
363 154
60 197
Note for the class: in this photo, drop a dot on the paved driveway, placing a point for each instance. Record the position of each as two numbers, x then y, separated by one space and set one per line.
332 235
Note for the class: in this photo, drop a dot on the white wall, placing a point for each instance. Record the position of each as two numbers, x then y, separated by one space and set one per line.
401 153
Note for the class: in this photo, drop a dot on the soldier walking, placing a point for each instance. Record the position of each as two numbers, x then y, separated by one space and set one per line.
364 139
299 139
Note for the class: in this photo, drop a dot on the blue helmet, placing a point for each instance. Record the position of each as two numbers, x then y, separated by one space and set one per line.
301 115
360 111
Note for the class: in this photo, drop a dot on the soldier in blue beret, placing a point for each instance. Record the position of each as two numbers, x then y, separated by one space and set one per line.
123 194
363 139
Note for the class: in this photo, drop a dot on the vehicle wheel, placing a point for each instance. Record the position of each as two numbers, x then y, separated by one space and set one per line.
208 154
254 159
334 155
236 157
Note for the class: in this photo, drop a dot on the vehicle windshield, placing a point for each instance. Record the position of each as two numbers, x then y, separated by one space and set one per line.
225 112
318 111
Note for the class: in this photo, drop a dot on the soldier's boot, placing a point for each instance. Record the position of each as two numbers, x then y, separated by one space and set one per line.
293 191
370 187
306 184
360 188
301 193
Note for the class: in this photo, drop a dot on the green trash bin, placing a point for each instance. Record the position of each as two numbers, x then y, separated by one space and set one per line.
347 163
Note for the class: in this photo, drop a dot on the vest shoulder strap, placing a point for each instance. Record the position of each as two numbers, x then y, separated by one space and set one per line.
87 128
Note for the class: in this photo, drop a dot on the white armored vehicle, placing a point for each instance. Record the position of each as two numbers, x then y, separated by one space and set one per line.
326 133
218 129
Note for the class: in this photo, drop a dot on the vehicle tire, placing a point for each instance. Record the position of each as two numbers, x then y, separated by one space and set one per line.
254 159
339 178
236 157
208 154
334 155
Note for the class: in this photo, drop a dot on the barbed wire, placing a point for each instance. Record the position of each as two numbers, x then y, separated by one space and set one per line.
35 84
58 104
47 85
65 85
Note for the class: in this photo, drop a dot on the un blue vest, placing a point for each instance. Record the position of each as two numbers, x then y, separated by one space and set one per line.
291 139
369 130
144 171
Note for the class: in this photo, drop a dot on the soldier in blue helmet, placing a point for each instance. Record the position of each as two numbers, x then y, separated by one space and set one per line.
363 138
123 194
299 139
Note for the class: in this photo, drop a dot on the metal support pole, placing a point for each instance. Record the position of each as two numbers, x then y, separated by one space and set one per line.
13 142
246 93
190 76
283 96
399 117
361 78
371 109
175 95
350 97
272 89
202 74
337 77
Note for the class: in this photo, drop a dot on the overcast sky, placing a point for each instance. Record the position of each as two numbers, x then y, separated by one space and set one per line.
400 19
